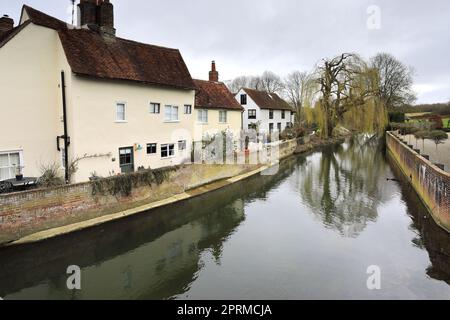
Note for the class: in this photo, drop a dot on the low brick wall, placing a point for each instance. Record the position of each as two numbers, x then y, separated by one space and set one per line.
25 213
431 183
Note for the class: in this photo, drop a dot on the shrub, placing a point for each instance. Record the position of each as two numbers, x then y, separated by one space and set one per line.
50 176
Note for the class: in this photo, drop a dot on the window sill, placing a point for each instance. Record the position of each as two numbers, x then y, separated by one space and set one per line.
120 121
202 123
165 158
170 121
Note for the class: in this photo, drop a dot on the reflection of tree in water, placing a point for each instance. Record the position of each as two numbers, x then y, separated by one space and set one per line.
343 184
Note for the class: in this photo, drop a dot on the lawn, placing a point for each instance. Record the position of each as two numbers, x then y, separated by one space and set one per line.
446 123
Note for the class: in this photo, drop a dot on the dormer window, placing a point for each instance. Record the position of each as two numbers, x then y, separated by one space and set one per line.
243 99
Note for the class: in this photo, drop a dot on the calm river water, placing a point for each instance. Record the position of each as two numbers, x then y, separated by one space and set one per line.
310 231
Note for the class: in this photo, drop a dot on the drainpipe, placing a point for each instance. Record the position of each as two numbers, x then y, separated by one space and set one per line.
65 136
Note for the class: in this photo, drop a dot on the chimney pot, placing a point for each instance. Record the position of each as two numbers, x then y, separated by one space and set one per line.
6 24
213 74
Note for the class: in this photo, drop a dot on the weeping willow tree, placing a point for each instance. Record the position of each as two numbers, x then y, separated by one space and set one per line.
349 96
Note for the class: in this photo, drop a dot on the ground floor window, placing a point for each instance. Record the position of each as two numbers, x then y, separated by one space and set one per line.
279 127
182 145
151 148
167 150
270 127
10 164
187 109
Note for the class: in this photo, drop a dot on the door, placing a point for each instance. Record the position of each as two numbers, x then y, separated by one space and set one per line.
126 157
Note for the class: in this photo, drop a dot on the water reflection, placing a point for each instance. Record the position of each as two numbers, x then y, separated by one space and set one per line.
149 256
310 231
345 184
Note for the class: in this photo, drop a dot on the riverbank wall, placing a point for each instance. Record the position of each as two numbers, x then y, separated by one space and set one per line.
27 213
431 183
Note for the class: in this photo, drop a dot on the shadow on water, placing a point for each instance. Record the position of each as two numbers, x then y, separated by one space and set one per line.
154 255
430 236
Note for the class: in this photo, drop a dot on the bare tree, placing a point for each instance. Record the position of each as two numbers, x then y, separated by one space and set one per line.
299 89
345 82
251 82
396 80
271 82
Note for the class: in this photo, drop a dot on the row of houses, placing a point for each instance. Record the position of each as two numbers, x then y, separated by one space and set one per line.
81 95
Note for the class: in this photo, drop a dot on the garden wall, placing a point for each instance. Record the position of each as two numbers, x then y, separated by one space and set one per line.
430 182
25 213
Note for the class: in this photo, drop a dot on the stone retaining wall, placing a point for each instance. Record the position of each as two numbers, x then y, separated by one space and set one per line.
430 182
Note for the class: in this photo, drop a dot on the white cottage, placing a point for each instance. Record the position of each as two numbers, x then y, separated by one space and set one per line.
265 110
80 93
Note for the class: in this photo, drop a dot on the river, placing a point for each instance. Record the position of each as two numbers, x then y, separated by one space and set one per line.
311 231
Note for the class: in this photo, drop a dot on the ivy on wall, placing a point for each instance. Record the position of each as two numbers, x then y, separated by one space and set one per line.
123 185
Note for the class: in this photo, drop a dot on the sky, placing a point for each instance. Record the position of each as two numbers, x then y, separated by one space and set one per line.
247 37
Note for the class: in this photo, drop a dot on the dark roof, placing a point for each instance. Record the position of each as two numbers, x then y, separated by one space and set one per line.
269 101
215 95
91 54
44 20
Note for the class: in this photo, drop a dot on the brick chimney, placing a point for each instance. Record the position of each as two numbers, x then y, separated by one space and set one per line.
213 74
105 17
97 15
6 24
87 13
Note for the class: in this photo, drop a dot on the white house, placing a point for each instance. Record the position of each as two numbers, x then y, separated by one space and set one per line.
267 111
82 93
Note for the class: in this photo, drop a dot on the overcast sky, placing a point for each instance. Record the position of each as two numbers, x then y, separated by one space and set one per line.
247 37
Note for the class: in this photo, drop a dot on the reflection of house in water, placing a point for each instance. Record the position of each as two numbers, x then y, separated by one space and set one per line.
149 256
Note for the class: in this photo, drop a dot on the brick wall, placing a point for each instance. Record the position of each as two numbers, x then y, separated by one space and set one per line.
431 183
24 213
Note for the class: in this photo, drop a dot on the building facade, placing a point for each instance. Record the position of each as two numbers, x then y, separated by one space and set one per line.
263 111
83 97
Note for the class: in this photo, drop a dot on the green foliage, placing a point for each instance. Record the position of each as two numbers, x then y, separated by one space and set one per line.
396 116
50 176
123 184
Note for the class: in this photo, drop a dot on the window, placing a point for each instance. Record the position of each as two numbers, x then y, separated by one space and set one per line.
182 145
270 127
151 148
125 156
203 116
155 107
171 113
120 112
9 165
252 114
222 116
167 150
271 114
243 99
187 109
279 126
283 114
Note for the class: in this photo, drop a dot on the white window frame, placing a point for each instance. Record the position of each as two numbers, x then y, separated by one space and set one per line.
167 145
152 108
171 116
21 160
124 112
200 116
221 118
156 149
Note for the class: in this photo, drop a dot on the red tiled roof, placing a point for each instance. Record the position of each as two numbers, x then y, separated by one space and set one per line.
91 54
270 101
215 95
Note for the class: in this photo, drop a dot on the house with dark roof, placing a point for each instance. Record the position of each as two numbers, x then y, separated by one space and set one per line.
265 111
216 108
82 94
